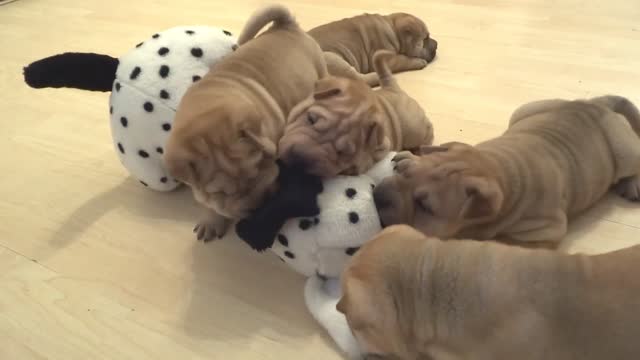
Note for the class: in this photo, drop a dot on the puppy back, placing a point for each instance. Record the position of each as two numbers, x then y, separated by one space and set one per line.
278 14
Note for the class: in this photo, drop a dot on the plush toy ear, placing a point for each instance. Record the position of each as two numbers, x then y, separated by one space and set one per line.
85 71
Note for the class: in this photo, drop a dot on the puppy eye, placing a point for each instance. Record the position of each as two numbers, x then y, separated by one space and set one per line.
312 118
420 204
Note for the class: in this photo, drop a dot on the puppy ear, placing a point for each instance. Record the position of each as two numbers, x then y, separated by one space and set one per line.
326 88
376 139
341 306
356 292
185 163
407 25
483 198
265 144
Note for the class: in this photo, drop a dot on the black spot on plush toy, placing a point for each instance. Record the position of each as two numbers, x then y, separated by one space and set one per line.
315 227
146 86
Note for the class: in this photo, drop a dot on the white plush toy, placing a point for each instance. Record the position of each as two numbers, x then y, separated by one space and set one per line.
320 245
146 86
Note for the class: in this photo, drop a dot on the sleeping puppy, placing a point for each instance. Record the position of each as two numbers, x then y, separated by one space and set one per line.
355 40
556 159
345 127
227 126
410 297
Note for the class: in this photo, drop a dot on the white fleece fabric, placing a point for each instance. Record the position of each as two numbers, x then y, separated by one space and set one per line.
320 247
150 81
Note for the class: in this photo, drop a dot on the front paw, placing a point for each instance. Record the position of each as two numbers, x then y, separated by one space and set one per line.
403 160
211 228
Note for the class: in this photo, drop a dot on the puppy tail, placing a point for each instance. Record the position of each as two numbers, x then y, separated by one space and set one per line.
278 14
381 66
622 106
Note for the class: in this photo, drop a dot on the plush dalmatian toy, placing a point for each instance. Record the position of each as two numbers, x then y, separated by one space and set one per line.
315 226
146 86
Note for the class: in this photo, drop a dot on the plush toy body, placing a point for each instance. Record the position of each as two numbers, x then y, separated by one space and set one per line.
318 228
146 86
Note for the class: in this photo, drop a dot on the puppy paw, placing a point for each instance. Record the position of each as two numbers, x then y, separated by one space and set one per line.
421 64
211 228
403 160
629 188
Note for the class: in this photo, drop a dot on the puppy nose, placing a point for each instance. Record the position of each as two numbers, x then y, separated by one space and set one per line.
381 200
296 160
433 44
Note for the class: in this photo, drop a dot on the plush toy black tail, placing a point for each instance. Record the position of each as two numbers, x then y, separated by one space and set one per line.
86 71
297 196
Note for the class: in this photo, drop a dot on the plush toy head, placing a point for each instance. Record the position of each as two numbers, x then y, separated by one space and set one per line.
317 228
146 86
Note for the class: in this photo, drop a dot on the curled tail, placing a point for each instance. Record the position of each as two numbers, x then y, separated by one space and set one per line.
622 106
381 66
86 71
278 14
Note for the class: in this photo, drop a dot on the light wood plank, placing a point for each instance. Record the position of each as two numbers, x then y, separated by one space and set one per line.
92 265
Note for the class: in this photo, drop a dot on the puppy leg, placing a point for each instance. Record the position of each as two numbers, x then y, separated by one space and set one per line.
337 66
629 188
211 226
540 229
401 62
625 145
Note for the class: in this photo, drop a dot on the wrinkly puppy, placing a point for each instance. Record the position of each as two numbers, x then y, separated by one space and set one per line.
355 40
556 159
410 297
345 127
227 126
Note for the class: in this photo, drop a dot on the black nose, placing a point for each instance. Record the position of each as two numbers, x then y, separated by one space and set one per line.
381 200
433 44
296 160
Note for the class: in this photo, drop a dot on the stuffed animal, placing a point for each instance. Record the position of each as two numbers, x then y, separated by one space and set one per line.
146 86
315 227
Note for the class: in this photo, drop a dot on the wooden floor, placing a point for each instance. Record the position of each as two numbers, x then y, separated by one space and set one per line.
94 266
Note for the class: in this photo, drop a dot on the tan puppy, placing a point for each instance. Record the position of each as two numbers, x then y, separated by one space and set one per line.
345 127
409 297
223 143
556 159
355 40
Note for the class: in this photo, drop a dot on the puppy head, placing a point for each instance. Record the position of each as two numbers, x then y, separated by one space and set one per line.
338 130
415 39
379 297
441 192
218 147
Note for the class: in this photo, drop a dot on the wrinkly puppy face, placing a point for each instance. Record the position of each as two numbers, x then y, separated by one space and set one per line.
377 297
441 192
218 148
338 130
415 39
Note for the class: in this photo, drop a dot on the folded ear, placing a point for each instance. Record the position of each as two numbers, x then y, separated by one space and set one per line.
483 198
262 142
407 25
326 88
186 163
376 139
